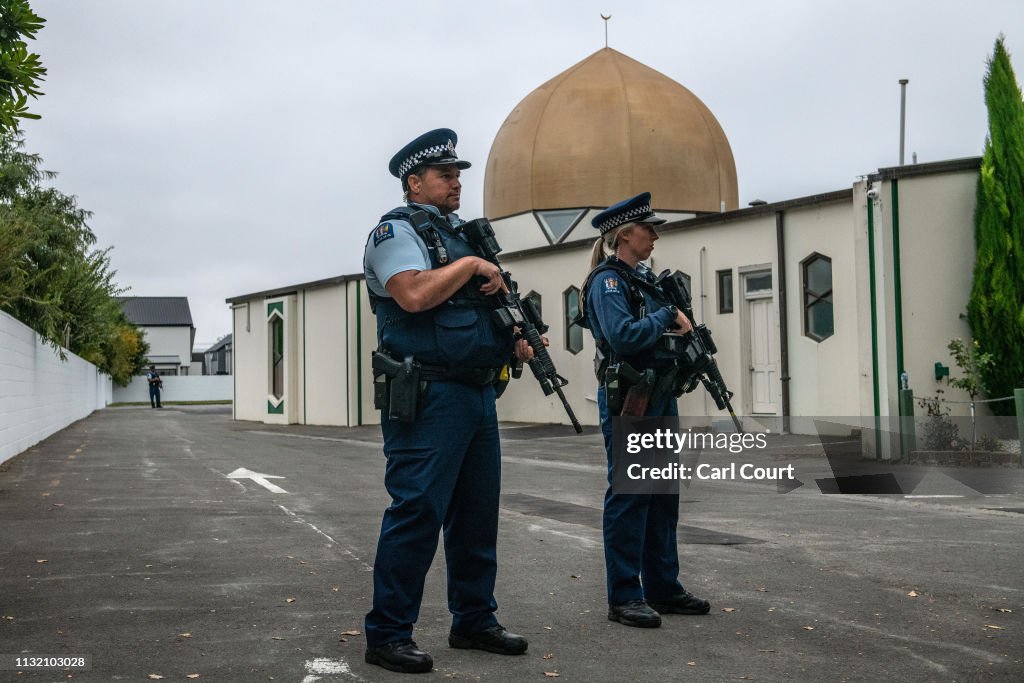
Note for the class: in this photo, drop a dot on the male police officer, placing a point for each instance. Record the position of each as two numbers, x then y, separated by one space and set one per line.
433 297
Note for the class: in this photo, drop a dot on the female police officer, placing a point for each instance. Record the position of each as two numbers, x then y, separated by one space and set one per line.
627 314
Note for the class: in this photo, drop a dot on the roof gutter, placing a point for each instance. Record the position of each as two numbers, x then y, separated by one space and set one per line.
780 246
874 326
897 282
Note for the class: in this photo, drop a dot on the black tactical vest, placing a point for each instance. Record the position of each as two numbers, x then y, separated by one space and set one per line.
460 333
644 296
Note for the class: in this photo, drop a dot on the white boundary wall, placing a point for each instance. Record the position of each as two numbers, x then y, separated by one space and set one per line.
40 394
179 388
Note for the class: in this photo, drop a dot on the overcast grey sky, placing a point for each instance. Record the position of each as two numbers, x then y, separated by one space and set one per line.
232 146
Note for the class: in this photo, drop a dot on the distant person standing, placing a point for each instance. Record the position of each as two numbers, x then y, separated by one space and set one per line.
155 385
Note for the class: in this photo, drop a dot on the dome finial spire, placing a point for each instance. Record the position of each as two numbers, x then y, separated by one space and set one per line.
606 18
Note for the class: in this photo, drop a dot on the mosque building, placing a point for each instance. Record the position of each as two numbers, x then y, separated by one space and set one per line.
818 304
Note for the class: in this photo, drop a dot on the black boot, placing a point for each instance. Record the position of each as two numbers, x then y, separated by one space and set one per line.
634 613
403 657
682 603
494 639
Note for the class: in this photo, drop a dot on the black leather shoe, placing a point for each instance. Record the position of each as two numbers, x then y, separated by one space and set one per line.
494 639
634 613
403 657
682 603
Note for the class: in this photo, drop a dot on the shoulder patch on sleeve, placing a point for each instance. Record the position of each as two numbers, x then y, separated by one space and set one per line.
383 232
611 284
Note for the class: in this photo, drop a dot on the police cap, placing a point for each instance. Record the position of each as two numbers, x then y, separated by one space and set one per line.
435 148
633 210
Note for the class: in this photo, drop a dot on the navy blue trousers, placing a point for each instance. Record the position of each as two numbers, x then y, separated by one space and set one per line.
443 473
640 553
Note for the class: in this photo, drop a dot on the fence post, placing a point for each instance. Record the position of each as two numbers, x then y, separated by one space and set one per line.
1018 399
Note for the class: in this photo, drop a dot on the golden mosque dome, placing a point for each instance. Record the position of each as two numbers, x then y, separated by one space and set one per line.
604 130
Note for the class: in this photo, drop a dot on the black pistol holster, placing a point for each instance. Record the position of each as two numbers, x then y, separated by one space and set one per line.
396 386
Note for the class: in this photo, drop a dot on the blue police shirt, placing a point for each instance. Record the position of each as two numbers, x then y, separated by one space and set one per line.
394 247
612 319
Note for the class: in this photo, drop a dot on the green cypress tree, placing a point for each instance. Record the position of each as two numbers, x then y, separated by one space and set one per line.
996 307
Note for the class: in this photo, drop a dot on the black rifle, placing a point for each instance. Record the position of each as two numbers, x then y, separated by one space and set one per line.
516 312
698 349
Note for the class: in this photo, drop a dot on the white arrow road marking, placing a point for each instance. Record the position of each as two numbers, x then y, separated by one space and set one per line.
261 479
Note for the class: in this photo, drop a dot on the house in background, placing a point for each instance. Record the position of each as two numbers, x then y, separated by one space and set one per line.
167 323
217 359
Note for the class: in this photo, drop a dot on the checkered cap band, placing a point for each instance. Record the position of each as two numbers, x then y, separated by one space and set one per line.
634 214
429 153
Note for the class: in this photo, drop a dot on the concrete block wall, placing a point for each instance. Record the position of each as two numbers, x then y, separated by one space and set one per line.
179 388
39 393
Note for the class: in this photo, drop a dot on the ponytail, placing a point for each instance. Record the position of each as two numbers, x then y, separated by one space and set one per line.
597 253
606 244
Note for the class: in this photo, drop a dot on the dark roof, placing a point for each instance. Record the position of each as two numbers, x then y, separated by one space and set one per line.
292 289
908 170
226 341
156 311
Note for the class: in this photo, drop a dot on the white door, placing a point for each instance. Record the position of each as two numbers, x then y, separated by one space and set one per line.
764 370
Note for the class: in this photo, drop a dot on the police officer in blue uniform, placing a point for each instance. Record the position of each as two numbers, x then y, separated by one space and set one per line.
155 385
432 297
627 314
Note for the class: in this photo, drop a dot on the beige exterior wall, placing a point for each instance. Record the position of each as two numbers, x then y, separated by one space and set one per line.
746 244
827 372
936 235
324 337
249 336
362 394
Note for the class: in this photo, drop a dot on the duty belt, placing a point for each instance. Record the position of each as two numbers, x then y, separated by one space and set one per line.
384 364
474 376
